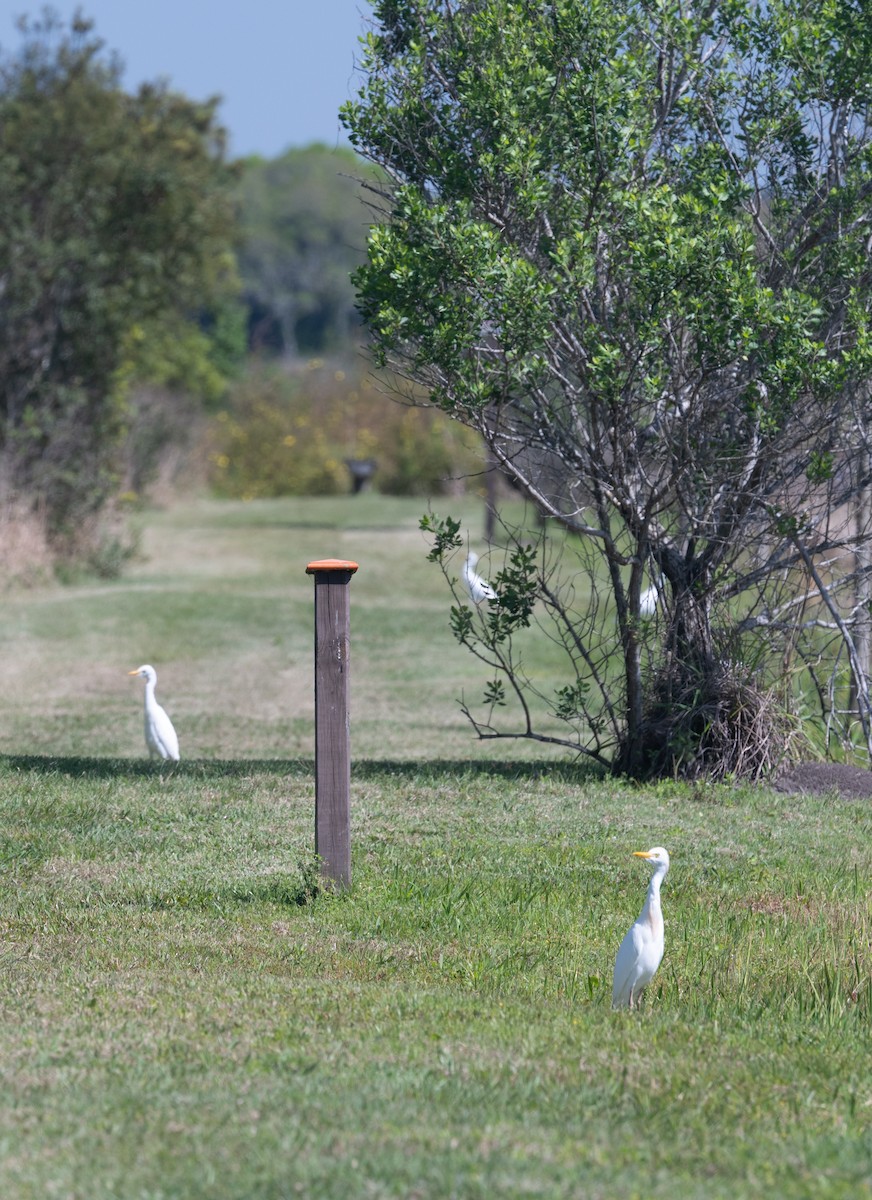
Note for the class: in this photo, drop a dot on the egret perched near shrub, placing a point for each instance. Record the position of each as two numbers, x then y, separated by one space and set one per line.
653 597
160 737
648 601
478 588
642 948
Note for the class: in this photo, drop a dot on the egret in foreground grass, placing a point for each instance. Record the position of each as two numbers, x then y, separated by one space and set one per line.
642 948
160 737
478 588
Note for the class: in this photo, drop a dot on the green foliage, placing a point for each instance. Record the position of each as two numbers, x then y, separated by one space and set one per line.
225 325
495 693
446 534
116 213
286 433
551 112
462 621
516 585
302 232
176 357
571 701
196 357
628 243
820 467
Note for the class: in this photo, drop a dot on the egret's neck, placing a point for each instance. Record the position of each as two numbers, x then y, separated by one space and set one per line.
652 902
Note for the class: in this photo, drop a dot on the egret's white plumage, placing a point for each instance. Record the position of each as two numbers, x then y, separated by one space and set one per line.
648 601
653 597
478 588
160 736
642 948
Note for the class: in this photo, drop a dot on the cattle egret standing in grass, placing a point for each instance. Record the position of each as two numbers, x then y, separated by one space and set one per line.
478 588
642 948
160 737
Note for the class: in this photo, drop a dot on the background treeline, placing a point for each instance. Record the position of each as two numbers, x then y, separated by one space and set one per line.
171 318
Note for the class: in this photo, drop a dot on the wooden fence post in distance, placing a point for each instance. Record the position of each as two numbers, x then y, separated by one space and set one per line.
332 737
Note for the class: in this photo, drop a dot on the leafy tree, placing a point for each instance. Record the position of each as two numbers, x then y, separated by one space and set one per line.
117 218
303 231
629 242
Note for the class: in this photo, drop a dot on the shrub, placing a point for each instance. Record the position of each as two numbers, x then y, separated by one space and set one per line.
288 432
117 216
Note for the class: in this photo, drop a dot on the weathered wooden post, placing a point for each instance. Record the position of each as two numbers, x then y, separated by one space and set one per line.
332 737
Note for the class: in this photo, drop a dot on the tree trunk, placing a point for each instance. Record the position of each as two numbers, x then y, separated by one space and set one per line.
863 587
668 715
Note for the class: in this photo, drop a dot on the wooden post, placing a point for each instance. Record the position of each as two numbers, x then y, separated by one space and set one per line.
332 737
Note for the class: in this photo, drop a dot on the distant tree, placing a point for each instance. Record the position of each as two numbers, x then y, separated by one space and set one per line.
303 231
630 243
117 218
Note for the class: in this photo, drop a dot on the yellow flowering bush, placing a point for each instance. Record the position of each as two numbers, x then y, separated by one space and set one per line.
292 432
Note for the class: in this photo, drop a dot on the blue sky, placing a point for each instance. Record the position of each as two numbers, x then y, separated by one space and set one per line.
283 67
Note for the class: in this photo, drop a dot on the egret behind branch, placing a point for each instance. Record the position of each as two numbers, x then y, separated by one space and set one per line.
642 948
648 601
160 736
478 588
653 597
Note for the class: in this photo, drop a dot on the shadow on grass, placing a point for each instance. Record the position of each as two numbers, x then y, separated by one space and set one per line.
142 768
423 771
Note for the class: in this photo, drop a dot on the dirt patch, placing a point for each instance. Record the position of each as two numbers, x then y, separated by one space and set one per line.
817 778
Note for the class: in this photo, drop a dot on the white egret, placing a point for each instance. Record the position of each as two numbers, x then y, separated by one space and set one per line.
642 948
478 588
652 597
160 737
648 601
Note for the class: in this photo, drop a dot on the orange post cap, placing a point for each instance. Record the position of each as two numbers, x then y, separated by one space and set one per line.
330 564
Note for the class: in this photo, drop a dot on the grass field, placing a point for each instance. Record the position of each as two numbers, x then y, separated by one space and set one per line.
184 1018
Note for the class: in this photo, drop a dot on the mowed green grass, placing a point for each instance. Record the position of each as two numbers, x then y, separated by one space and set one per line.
183 1017
219 602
